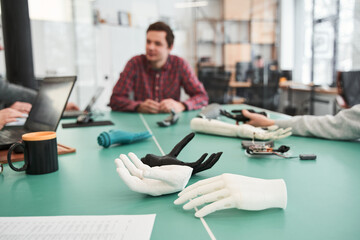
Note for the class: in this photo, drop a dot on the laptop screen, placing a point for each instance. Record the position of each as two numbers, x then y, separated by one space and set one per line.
50 103
93 99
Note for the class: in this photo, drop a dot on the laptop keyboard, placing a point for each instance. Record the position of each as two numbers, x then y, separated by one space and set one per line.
11 135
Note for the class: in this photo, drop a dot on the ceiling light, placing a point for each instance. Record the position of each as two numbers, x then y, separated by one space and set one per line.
191 4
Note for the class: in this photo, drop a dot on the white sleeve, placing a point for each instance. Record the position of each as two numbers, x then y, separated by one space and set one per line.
343 126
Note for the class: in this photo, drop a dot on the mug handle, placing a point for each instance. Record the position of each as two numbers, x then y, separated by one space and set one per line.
11 149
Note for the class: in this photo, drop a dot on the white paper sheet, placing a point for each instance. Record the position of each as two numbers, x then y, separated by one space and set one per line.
77 227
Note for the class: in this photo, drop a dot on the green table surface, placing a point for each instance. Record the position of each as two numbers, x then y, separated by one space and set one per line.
323 195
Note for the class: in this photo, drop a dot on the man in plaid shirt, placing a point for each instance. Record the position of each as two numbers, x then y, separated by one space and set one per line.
155 79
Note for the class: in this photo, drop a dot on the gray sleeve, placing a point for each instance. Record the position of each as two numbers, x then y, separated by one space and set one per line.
10 93
343 126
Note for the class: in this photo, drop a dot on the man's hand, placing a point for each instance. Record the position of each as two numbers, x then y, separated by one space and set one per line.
168 104
72 107
9 115
148 106
23 107
257 120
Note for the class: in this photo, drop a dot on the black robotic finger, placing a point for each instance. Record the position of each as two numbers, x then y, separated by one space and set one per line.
203 165
169 159
208 163
236 117
227 114
154 161
198 162
178 147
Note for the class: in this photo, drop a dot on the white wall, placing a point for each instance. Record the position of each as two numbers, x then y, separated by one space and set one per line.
287 26
53 48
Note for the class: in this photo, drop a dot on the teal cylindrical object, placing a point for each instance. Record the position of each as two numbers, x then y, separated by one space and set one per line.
106 139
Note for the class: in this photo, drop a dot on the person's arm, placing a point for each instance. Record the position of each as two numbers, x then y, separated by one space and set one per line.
194 88
120 98
21 107
343 126
8 115
148 106
257 120
169 104
10 93
70 106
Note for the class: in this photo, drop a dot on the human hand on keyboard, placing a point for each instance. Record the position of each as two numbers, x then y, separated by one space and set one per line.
23 107
8 115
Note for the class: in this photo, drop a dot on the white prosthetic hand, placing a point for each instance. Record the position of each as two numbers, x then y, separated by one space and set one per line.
216 127
154 181
234 191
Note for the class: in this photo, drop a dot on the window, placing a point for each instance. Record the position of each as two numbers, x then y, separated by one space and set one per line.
328 58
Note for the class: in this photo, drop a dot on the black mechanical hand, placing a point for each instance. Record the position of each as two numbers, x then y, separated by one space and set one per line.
239 117
170 120
171 158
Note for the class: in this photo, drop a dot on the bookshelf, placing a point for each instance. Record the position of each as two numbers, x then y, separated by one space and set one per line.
233 33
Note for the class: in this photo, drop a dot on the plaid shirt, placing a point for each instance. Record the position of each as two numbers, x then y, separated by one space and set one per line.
144 83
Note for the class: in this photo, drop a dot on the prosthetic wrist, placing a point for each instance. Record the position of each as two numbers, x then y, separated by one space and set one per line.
262 194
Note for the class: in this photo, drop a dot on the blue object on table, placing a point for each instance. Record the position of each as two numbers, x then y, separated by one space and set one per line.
106 139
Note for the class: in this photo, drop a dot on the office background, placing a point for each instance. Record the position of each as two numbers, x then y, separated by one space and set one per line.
95 39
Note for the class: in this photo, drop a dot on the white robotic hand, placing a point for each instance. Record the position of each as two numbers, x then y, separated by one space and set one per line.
154 181
234 191
216 127
272 132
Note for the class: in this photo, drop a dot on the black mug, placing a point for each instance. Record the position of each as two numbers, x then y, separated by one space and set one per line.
40 153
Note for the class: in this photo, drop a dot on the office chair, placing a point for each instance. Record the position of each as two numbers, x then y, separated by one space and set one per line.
348 85
271 89
243 71
255 94
216 83
265 94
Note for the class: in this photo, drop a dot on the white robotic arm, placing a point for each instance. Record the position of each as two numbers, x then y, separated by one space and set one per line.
216 127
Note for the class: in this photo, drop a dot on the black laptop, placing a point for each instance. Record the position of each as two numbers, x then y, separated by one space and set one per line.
46 110
75 114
